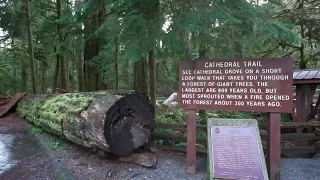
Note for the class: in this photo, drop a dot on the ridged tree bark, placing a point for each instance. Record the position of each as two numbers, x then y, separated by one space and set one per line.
79 50
141 85
62 75
93 80
152 77
31 55
202 55
116 65
153 15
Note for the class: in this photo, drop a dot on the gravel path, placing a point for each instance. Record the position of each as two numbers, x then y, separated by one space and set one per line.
87 166
171 166
55 164
300 169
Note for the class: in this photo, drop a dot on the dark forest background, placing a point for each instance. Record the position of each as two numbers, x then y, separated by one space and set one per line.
95 45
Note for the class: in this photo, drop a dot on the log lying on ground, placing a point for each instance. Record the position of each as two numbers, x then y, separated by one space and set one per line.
97 120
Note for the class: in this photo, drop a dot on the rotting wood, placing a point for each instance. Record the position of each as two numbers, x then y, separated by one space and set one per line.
97 120
5 106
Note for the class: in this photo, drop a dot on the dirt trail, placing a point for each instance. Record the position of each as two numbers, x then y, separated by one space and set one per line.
46 163
22 156
27 157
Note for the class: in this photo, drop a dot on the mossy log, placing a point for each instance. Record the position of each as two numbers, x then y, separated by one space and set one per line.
98 120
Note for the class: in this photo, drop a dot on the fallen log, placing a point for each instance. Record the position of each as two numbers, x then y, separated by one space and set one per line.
96 120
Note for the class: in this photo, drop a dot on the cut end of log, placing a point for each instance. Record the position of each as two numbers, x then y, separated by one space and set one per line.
127 124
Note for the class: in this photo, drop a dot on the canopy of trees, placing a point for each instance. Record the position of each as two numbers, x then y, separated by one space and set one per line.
90 45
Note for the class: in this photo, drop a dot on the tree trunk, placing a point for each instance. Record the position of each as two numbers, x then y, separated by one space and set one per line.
24 77
73 71
80 63
113 123
116 63
62 81
303 63
125 73
202 55
79 51
67 60
141 77
63 74
135 75
152 78
15 75
38 80
14 71
43 76
93 80
56 72
32 68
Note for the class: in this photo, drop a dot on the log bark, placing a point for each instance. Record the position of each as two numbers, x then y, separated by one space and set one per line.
98 120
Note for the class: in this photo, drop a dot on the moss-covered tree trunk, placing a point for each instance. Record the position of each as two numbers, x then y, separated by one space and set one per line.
113 123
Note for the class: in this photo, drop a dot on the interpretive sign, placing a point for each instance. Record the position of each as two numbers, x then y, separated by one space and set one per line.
235 150
262 85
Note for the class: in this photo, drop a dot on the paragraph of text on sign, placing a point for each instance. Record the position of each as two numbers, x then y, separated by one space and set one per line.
233 84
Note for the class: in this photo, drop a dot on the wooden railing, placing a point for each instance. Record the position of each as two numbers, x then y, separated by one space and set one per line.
310 141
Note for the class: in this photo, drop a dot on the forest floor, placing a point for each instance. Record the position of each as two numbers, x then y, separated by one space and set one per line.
27 153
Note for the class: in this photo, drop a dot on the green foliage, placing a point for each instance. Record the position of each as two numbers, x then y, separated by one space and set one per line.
285 117
171 28
139 27
172 116
234 114
54 144
35 130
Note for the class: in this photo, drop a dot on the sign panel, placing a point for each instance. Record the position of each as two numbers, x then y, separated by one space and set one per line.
262 85
235 153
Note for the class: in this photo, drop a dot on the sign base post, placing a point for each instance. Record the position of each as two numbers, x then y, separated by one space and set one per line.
191 142
274 146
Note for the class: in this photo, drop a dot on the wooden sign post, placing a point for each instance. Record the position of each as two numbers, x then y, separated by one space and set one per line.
191 142
260 85
274 146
